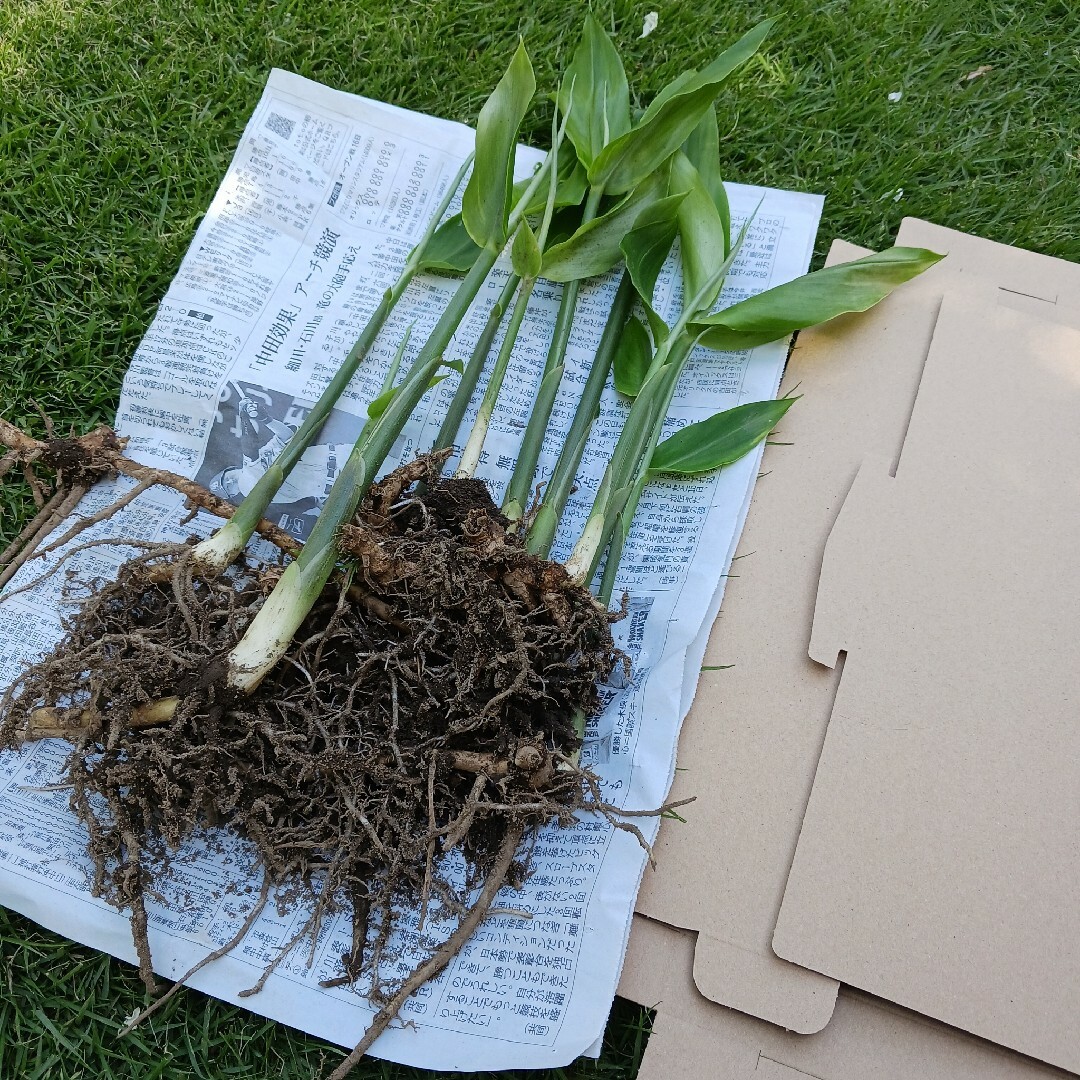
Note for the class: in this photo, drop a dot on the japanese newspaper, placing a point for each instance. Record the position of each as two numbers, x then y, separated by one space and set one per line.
323 201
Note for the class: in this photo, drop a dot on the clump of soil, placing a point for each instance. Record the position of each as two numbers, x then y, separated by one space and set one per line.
431 701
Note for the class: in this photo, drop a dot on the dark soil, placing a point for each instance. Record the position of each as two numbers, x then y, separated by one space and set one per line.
431 701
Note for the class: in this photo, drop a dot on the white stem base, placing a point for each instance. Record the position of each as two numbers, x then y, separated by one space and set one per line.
581 558
470 456
213 555
267 638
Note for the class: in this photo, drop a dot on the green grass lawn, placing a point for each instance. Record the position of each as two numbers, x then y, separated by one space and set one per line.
117 121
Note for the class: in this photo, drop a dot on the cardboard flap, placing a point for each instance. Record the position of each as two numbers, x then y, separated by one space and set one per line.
1026 281
751 743
723 871
764 985
849 569
695 1039
938 863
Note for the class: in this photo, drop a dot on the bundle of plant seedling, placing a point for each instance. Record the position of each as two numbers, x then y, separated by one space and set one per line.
415 681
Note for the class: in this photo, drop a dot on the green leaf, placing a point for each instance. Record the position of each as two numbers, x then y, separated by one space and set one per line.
670 121
594 95
660 329
570 190
648 243
703 151
698 305
726 64
815 298
525 255
572 187
380 404
594 248
485 206
632 357
703 240
720 440
564 224
450 248
676 86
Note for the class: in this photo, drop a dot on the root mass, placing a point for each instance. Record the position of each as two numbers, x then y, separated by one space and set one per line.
429 703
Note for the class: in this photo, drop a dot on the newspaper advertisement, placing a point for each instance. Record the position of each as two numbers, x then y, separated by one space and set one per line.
325 197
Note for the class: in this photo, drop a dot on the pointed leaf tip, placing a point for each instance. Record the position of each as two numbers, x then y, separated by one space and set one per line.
525 255
671 118
720 440
485 206
632 357
594 94
812 299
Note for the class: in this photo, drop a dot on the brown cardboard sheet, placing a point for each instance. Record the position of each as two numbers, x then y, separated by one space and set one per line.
939 860
750 745
867 1039
1026 281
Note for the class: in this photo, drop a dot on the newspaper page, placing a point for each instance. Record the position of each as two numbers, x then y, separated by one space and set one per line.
326 195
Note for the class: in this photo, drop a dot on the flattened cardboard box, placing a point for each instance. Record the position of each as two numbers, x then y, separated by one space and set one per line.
939 860
867 1039
753 738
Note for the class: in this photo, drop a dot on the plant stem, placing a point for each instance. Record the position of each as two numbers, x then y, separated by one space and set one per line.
620 529
519 488
541 533
211 556
463 395
470 455
625 517
269 633
640 431
471 375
